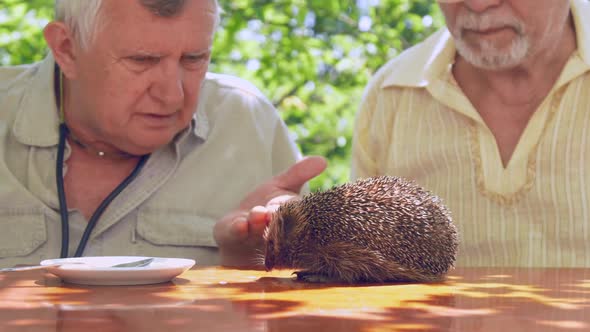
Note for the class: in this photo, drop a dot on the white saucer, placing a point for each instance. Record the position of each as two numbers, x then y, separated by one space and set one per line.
98 270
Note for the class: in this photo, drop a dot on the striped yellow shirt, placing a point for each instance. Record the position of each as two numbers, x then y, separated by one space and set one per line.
416 123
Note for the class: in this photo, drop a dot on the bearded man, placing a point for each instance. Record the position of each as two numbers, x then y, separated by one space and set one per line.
492 113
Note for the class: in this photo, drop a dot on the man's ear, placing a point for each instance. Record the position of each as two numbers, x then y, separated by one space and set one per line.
60 40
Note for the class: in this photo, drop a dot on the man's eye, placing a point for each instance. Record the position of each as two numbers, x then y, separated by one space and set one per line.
194 60
142 59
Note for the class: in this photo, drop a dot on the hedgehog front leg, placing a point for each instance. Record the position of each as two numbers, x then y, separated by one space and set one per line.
315 277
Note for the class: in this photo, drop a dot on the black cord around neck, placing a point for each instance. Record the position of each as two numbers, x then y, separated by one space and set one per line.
63 207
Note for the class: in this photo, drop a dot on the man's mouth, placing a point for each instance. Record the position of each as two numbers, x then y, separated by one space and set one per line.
488 31
157 119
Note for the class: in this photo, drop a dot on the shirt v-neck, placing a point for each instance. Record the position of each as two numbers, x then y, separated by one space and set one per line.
507 182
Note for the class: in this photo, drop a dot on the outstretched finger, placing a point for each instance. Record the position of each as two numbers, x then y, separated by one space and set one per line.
297 175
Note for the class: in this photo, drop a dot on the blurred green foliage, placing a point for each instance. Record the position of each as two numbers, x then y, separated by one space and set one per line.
312 58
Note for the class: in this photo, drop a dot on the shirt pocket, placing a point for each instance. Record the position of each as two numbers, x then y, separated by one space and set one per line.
173 228
22 232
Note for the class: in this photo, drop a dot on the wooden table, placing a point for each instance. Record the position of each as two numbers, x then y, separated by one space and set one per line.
217 299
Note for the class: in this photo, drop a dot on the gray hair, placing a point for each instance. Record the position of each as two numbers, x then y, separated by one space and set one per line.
83 16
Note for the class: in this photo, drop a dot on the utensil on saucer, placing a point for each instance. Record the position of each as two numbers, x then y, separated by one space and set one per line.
139 263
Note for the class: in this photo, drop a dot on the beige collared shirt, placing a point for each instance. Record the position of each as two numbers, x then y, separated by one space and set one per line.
415 122
236 141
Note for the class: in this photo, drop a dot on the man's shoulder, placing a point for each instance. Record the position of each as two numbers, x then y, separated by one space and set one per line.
14 81
16 76
228 84
415 66
226 94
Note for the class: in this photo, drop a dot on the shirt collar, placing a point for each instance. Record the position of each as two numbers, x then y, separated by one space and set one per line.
580 13
200 123
37 119
420 65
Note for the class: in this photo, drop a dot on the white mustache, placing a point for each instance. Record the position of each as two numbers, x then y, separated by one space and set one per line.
486 21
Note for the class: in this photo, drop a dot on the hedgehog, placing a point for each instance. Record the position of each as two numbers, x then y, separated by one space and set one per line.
375 230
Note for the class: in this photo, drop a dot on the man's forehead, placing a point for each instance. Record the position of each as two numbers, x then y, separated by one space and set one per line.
161 8
131 16
127 25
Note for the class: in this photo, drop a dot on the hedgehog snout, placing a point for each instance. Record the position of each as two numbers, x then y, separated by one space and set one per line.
268 262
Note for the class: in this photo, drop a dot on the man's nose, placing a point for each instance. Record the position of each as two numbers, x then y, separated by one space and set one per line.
475 5
479 6
169 87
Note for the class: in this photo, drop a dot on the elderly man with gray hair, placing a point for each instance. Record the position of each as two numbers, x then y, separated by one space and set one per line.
120 143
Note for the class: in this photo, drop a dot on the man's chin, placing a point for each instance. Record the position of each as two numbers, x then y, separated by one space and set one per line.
494 63
486 56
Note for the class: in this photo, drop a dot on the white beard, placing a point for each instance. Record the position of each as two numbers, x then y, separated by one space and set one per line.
485 54
491 58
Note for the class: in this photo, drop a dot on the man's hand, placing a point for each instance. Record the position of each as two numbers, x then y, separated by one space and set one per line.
239 233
